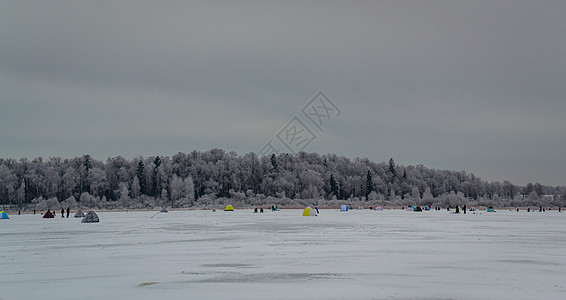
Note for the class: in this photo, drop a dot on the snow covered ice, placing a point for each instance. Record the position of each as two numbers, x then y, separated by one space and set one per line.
390 254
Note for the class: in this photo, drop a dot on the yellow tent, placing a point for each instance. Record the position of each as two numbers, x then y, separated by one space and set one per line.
229 208
309 211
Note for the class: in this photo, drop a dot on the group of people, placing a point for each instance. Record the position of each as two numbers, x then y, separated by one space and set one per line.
256 210
49 213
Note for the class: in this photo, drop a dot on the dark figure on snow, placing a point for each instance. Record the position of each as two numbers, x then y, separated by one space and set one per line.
260 210
34 211
559 209
457 209
62 212
529 209
464 209
540 209
68 211
255 210
316 208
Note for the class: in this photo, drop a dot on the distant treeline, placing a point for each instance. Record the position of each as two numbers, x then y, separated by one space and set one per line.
214 177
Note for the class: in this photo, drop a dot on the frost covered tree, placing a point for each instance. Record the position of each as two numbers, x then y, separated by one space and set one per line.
71 202
416 195
164 197
189 189
427 198
124 194
136 189
177 189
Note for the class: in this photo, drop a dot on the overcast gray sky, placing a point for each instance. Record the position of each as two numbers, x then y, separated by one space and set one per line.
461 85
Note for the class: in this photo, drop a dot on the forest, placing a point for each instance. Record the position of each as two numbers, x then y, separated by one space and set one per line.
214 178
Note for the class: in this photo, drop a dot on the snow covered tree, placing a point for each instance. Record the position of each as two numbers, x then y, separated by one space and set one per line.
416 195
177 189
136 188
427 198
164 197
189 189
124 194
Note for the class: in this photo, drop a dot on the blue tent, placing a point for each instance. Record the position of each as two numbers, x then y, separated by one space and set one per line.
3 215
344 208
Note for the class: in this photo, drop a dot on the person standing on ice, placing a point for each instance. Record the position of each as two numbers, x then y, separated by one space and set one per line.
62 212
68 211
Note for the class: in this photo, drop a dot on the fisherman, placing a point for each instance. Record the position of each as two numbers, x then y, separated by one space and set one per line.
255 210
464 208
68 211
62 212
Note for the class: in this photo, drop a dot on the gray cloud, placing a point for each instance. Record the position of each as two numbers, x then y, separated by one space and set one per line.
475 85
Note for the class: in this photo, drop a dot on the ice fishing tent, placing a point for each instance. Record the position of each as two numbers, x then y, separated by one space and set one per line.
379 207
309 211
229 208
91 217
410 208
80 214
490 209
48 215
3 215
164 210
360 208
418 209
344 208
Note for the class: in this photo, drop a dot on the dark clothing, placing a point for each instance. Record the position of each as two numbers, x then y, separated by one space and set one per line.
68 211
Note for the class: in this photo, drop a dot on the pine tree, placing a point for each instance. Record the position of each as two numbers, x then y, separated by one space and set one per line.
141 177
333 186
392 169
85 180
155 187
369 184
274 161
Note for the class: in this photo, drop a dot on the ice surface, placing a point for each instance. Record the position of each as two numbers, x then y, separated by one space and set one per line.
282 255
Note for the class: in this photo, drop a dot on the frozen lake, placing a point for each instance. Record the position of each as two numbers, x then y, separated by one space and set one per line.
283 255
